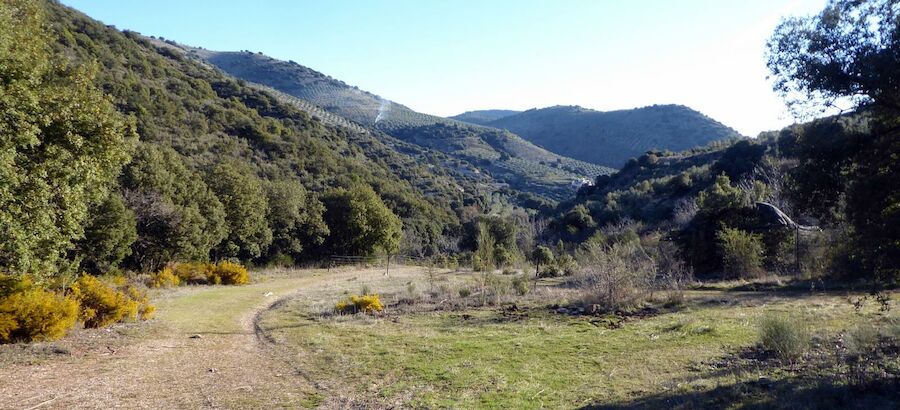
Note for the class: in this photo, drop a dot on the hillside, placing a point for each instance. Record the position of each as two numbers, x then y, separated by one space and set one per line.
611 138
508 158
483 117
199 119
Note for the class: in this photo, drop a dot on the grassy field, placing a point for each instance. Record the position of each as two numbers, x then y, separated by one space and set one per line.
277 344
531 357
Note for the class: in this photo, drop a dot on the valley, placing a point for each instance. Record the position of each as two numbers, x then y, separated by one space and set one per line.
188 228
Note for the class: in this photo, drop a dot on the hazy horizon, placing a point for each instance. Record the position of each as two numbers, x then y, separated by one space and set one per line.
446 58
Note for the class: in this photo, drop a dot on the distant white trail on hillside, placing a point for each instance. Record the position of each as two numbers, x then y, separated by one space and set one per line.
382 110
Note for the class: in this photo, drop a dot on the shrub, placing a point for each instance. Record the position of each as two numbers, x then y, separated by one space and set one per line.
520 284
742 252
550 271
164 278
229 273
30 313
356 304
502 256
787 338
566 264
224 273
145 308
101 304
464 292
195 273
616 276
10 284
495 286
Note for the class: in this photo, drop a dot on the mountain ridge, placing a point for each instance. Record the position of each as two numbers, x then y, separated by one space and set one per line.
610 138
483 117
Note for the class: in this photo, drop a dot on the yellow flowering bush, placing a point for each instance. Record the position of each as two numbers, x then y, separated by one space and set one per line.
31 313
229 273
356 304
164 278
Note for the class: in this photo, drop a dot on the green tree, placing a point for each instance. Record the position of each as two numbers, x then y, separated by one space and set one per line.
360 223
742 252
846 52
721 196
485 244
578 219
61 145
541 256
295 219
178 216
849 52
502 256
108 236
246 207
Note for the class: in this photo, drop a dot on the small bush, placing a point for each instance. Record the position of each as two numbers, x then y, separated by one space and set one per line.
615 277
550 271
520 284
145 308
229 273
356 304
10 284
785 337
30 313
195 273
464 292
164 278
566 264
102 305
496 286
742 252
222 273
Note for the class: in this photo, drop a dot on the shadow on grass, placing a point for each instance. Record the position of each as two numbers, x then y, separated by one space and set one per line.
782 394
795 286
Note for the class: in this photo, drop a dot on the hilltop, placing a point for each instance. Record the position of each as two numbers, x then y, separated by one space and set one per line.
610 138
483 117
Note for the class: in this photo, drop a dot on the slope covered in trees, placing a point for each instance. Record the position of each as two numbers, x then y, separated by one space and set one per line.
118 150
504 155
610 138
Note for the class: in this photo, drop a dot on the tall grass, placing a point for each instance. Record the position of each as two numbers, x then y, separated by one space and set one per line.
784 336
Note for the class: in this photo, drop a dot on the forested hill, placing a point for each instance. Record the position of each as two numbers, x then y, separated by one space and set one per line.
223 169
483 117
505 156
611 138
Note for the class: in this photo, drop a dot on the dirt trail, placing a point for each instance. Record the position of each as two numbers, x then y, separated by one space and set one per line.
162 366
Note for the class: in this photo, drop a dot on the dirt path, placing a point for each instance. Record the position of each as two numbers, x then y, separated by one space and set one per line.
160 365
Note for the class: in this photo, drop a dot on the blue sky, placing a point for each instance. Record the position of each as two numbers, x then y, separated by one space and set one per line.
446 57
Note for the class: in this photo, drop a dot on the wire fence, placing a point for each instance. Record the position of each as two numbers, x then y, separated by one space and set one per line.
377 260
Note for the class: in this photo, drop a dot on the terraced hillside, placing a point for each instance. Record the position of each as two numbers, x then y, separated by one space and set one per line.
611 138
504 155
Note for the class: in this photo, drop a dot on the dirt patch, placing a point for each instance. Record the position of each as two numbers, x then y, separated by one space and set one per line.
158 364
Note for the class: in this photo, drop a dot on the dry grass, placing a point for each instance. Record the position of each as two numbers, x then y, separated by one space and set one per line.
429 348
